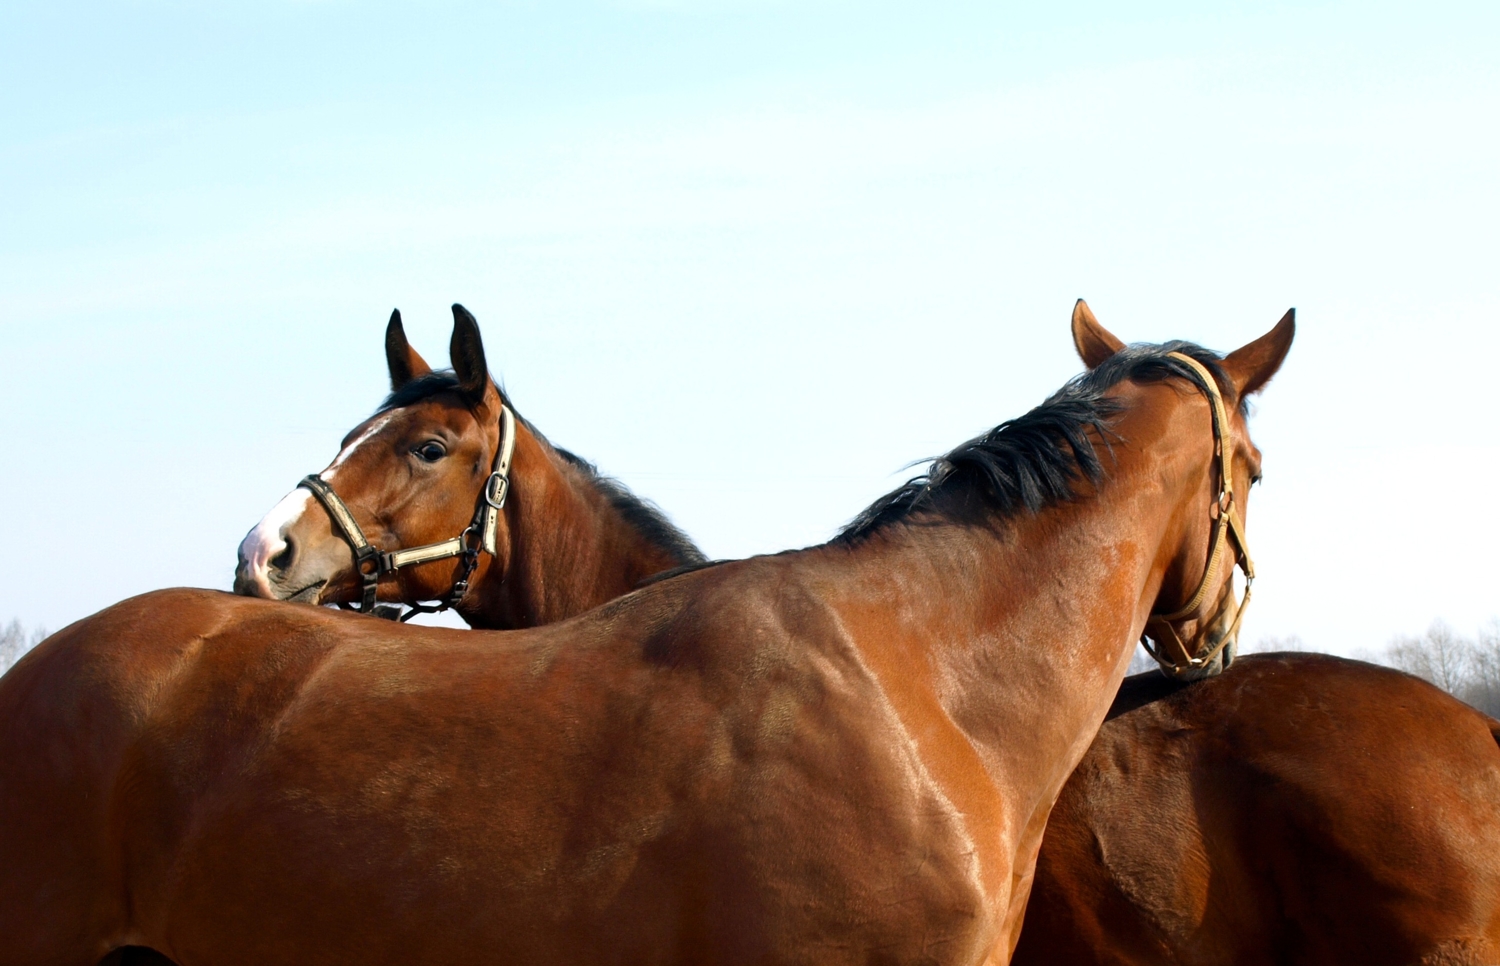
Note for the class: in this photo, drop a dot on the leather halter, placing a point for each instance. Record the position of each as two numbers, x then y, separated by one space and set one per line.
372 563
1159 626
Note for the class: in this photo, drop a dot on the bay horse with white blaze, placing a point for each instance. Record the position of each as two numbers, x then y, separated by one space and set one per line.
538 539
841 754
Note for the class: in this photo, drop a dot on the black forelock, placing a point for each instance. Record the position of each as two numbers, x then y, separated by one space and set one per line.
420 388
1035 460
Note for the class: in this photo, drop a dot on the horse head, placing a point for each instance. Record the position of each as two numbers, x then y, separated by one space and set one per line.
419 483
1193 627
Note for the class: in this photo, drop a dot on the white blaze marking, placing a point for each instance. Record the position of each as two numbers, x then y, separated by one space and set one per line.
348 451
262 544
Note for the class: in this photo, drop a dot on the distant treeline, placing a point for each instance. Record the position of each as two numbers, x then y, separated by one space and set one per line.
1466 667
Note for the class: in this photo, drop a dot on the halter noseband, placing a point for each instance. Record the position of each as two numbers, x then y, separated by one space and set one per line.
1159 626
372 563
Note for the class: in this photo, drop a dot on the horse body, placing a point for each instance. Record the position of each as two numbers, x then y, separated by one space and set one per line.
761 761
1296 809
845 754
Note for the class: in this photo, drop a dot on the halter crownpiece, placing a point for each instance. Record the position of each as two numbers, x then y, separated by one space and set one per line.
372 563
1159 626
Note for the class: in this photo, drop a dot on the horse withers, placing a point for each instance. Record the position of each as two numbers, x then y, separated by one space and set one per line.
831 755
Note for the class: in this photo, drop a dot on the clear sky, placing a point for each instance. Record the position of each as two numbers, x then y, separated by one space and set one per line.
751 257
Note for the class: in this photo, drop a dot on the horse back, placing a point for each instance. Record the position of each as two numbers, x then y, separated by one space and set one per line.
231 780
1298 808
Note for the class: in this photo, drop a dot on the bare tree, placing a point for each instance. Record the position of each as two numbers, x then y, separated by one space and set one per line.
15 641
1467 669
1439 656
1484 685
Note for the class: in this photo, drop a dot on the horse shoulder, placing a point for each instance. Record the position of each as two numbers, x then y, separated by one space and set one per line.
828 807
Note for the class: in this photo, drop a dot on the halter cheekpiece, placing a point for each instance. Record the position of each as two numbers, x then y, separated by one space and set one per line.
1159 626
372 563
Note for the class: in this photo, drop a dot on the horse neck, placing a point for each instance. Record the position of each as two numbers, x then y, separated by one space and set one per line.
569 548
1020 631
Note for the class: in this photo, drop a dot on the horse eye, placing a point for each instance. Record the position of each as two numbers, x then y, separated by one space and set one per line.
1255 479
430 451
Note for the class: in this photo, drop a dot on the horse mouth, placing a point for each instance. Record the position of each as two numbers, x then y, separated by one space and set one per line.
308 594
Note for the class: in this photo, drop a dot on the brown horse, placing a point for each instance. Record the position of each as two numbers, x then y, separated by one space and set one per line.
1297 754
842 754
1298 808
413 474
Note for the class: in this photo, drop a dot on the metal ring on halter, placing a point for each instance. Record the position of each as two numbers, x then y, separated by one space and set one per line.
1159 626
490 497
483 527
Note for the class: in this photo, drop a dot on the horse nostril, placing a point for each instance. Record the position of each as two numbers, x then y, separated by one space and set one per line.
283 561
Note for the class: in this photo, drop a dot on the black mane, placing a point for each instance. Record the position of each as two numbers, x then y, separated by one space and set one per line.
420 388
646 517
1033 461
642 514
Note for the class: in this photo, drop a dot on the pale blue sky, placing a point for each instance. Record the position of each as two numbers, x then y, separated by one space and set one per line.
753 258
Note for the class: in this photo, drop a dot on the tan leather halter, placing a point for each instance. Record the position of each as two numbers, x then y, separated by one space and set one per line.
1159 626
372 563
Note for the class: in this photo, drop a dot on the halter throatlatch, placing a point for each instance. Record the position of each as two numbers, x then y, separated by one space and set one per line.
1178 662
372 563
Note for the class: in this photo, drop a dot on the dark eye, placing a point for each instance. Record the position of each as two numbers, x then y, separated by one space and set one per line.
1255 479
430 451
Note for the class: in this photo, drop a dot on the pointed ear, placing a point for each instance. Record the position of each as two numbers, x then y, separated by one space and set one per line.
1250 367
400 358
1093 341
467 352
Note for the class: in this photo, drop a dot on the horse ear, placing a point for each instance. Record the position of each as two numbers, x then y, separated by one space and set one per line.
467 353
1250 367
401 358
1093 341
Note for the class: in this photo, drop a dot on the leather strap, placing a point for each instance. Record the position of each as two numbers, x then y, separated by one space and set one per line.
397 559
371 563
364 555
1159 626
497 487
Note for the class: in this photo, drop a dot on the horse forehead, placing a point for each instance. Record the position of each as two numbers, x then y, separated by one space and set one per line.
405 421
359 438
